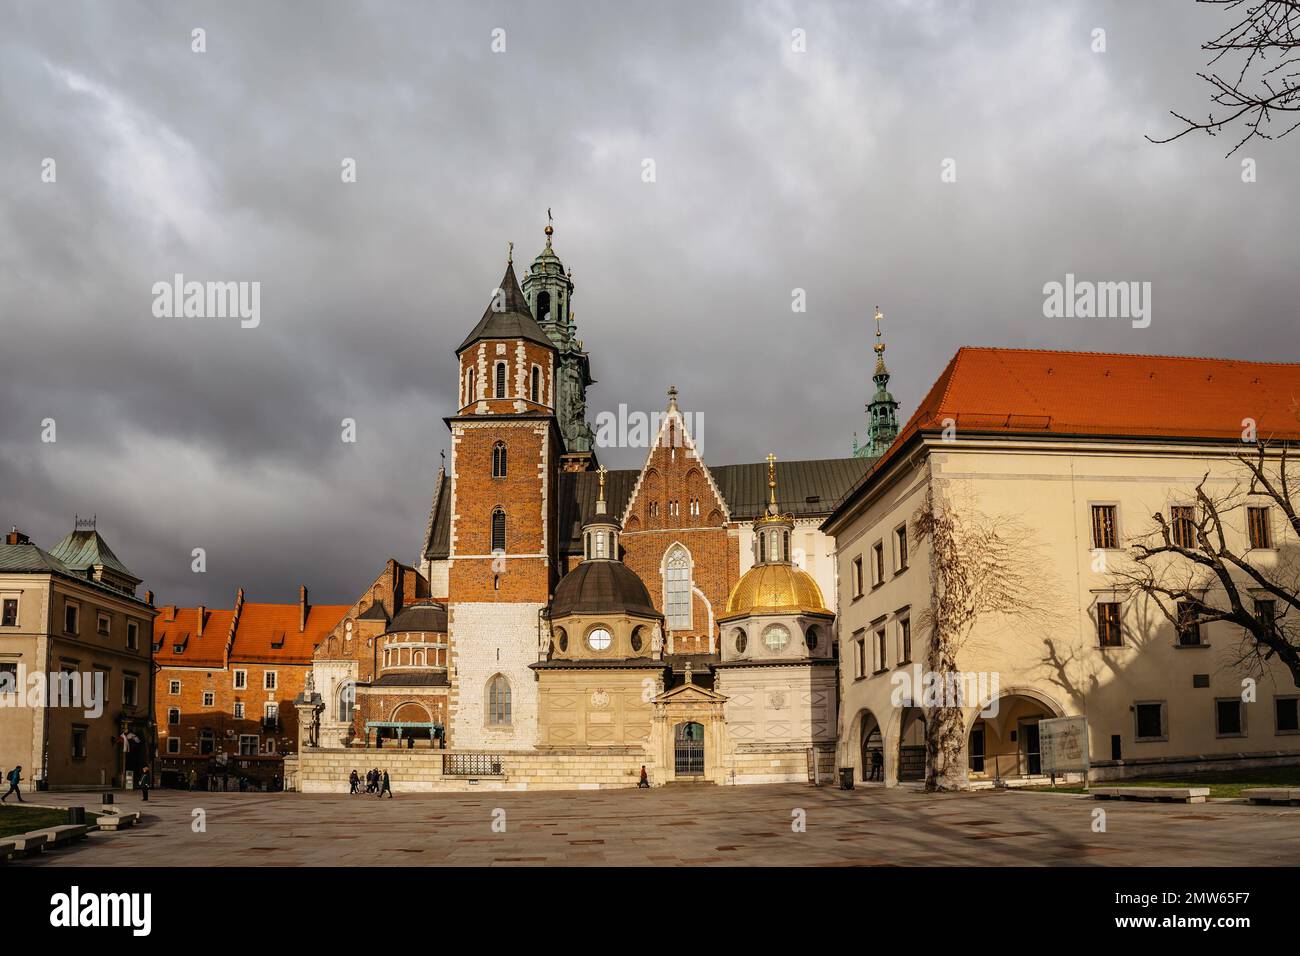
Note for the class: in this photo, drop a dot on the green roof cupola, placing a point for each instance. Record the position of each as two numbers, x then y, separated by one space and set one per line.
882 410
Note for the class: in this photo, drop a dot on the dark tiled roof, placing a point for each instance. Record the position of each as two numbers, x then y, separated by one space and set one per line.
412 679
375 612
514 321
803 488
420 617
743 487
601 587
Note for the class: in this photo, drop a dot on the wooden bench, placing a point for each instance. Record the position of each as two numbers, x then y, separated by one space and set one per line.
1289 795
1159 794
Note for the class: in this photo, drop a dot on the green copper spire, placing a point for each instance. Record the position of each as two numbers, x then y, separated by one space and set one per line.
882 410
548 287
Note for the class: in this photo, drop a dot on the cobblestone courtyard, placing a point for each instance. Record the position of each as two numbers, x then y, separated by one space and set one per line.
683 826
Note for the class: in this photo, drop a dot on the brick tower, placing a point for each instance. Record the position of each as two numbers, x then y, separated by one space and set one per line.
506 449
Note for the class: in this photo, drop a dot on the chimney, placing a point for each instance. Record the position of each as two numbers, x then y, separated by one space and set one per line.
302 608
17 537
202 610
169 613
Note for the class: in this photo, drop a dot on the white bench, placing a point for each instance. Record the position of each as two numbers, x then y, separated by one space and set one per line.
66 833
30 842
1272 794
7 848
118 821
1159 794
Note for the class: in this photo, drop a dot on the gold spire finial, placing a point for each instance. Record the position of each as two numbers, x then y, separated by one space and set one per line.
771 482
550 229
880 345
601 471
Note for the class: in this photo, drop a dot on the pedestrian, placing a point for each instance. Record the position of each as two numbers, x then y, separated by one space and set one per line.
877 766
144 784
355 781
645 779
14 777
387 787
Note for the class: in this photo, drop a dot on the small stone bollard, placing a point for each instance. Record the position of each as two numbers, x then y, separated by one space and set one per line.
107 798
76 815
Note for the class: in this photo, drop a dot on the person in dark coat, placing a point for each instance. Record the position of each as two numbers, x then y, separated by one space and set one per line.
144 784
386 787
15 777
877 766
645 779
355 781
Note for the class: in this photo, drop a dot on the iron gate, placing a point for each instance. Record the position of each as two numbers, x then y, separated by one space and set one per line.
689 750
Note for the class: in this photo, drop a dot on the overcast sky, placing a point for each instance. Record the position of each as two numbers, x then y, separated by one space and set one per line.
774 170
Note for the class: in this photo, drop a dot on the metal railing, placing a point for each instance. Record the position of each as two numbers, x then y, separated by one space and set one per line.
472 765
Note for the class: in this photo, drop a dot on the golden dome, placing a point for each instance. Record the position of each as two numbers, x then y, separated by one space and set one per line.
775 588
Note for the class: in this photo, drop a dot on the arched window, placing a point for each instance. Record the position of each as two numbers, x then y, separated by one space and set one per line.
677 589
499 460
498 530
498 697
537 385
543 306
501 380
347 699
762 548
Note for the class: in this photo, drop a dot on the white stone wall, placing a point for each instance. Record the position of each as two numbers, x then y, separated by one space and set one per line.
329 677
437 573
487 639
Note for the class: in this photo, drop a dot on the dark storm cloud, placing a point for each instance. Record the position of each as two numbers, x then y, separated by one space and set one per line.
775 171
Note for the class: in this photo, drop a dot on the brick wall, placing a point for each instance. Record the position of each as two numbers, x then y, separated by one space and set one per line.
219 716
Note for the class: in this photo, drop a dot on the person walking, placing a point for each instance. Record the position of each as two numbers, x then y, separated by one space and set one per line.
355 781
645 779
877 766
386 788
15 777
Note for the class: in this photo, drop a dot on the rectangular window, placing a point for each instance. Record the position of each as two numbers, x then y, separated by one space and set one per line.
1261 533
1182 527
8 677
501 380
173 745
1230 717
103 624
905 641
173 716
860 654
1150 720
248 745
857 576
241 679
271 711
1189 627
900 547
878 563
174 687
239 710
881 662
129 685
1266 611
9 617
1104 534
268 680
133 635
1108 629
209 699
78 742
1286 715
71 618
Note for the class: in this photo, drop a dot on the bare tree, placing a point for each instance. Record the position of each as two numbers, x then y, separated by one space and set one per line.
1259 77
1197 569
981 568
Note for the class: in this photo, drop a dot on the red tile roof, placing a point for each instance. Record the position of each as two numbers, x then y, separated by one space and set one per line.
264 626
266 633
1038 392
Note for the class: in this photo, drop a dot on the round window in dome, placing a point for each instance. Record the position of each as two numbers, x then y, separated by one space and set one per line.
776 637
741 642
599 639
